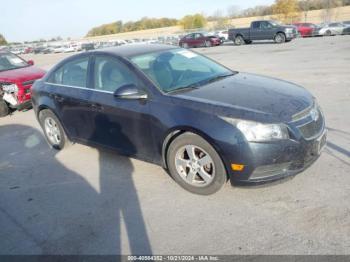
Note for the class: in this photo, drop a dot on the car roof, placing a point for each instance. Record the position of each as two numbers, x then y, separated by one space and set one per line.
131 50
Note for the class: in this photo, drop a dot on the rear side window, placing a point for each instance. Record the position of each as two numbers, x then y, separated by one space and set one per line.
73 73
256 25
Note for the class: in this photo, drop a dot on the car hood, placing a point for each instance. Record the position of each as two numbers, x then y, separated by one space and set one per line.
252 97
21 74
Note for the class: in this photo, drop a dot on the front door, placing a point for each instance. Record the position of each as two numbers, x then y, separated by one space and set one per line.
122 124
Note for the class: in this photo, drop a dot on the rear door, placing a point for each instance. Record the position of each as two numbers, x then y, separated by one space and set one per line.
255 31
69 89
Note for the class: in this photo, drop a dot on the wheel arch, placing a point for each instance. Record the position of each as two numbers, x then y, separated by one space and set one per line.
176 132
280 32
46 107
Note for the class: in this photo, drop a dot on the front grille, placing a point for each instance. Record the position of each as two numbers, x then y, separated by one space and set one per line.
4 83
313 128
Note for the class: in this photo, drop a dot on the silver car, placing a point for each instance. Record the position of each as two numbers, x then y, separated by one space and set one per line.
329 29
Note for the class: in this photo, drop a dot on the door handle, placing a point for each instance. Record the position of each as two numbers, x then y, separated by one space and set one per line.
97 107
58 98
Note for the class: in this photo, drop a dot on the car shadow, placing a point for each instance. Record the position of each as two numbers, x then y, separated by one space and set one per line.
333 147
47 208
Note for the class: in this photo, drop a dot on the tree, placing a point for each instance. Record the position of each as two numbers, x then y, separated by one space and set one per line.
233 11
2 40
220 21
193 21
144 23
286 10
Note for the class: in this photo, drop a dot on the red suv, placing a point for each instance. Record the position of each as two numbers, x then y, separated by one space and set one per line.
199 39
16 79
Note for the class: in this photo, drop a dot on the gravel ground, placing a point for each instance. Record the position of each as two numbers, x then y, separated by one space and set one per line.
90 201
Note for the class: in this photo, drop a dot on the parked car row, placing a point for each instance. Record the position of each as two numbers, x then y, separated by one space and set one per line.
273 30
325 29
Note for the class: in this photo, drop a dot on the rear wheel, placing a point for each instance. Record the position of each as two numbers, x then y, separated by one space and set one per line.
239 40
53 129
280 38
4 109
328 33
195 165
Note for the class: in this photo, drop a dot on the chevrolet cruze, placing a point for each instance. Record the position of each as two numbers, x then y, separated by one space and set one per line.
203 122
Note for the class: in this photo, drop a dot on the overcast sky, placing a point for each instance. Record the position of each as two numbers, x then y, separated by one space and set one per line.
33 19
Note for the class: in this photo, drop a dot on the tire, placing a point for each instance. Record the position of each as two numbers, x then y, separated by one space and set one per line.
247 42
54 134
239 40
207 43
328 33
4 109
280 38
187 170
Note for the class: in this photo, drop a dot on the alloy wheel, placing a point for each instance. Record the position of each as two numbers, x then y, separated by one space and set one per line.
52 131
194 165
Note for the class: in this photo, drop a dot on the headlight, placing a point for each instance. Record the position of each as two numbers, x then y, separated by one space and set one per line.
12 88
258 132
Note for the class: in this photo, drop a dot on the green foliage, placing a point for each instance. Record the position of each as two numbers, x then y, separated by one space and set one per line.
286 10
193 21
119 27
2 40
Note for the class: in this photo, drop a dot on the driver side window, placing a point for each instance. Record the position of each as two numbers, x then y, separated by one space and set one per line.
110 74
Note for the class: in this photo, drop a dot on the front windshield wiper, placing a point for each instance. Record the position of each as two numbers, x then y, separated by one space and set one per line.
216 78
200 83
184 88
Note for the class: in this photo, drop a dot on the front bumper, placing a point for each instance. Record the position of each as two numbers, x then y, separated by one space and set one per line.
291 35
274 161
24 105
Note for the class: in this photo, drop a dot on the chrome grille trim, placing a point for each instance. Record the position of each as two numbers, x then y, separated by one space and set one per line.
313 129
304 113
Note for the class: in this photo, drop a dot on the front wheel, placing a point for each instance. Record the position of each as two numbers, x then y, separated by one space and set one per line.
184 45
195 165
53 129
4 109
280 38
207 43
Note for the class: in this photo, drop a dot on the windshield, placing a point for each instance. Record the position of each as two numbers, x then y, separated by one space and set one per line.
275 23
9 61
179 69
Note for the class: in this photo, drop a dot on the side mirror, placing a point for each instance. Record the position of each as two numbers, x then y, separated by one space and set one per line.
30 62
130 91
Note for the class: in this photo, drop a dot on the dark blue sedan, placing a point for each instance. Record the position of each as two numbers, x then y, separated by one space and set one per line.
200 120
